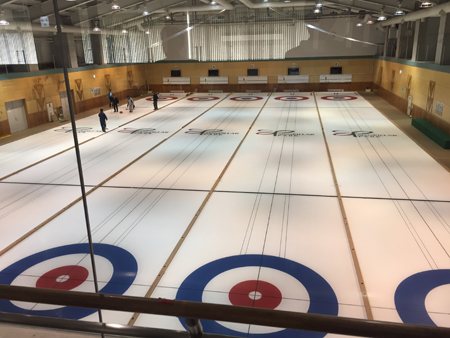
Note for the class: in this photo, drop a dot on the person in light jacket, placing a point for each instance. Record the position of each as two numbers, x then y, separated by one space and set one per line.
111 97
130 104
103 118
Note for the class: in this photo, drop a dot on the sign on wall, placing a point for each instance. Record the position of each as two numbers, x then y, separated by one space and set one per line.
439 108
335 78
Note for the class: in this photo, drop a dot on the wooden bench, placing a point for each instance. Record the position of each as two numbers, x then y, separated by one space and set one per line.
434 133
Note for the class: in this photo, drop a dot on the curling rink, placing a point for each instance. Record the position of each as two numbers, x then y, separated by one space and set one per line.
272 232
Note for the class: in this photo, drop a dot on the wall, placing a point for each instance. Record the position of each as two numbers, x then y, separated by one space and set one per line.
40 88
414 80
361 68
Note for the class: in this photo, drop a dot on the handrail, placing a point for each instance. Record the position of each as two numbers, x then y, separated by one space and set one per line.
227 313
96 327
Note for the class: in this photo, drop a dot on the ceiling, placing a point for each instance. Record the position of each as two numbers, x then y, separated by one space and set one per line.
88 12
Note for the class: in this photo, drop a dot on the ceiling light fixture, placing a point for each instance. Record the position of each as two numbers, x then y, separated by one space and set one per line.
319 4
96 28
359 24
382 17
145 13
115 6
147 32
124 31
3 22
426 4
213 3
316 10
400 11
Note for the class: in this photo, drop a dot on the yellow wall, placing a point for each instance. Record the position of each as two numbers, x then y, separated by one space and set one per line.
420 80
37 91
46 88
362 69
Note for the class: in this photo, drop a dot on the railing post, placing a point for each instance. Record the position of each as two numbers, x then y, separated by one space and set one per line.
194 327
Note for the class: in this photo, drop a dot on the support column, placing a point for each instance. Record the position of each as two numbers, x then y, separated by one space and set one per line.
440 39
386 39
399 39
416 40
65 41
97 49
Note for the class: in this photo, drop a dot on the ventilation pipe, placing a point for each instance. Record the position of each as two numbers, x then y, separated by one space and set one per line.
252 5
434 11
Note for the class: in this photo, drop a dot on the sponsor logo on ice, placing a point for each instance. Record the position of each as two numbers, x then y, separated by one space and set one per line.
80 130
142 131
214 132
360 133
290 133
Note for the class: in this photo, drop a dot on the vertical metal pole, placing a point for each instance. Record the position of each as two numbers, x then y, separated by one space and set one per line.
77 151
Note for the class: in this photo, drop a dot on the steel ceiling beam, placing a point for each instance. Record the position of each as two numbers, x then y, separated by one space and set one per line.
361 5
105 9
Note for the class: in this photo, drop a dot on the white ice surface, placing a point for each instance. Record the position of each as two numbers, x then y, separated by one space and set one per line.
191 160
270 162
395 240
22 153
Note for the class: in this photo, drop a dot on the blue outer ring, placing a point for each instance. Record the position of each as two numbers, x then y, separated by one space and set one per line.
322 297
411 293
124 264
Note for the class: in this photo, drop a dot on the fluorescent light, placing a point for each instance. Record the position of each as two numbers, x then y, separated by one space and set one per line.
3 22
426 4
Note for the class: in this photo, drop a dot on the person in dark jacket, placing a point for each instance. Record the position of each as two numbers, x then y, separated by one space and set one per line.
155 101
103 119
116 104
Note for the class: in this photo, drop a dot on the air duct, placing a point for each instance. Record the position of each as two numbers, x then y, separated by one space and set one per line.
252 5
435 11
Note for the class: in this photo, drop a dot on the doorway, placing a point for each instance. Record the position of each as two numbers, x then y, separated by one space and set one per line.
65 105
16 115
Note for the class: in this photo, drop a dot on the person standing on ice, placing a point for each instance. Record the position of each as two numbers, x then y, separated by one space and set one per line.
130 104
103 118
155 101
115 104
110 96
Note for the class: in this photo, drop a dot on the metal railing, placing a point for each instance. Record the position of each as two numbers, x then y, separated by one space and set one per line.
185 309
